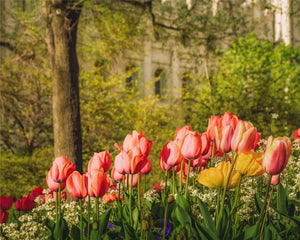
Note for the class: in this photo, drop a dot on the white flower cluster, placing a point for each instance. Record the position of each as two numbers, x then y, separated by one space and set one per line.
151 196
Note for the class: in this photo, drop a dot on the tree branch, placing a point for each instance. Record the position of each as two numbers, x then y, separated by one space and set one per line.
24 55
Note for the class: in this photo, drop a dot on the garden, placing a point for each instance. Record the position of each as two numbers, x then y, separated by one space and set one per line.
149 120
224 183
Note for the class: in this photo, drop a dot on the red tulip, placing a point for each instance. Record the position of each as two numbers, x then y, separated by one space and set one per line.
191 146
77 185
110 197
257 139
98 183
276 155
147 167
223 137
3 216
61 169
99 160
53 186
244 137
6 202
171 154
25 204
212 122
296 134
37 192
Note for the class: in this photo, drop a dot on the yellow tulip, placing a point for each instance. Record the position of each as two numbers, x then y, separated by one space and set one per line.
249 164
217 177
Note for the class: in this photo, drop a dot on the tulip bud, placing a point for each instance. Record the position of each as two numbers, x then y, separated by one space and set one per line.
145 225
191 146
275 179
276 155
95 225
170 199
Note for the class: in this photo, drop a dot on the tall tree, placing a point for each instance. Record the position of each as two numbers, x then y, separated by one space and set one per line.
62 21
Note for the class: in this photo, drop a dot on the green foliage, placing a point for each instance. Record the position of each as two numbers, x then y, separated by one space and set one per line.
258 81
20 174
110 111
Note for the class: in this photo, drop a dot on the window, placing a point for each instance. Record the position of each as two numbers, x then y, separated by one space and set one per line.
160 82
131 73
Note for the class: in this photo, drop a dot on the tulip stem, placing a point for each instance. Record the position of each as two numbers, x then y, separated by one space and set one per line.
89 213
181 169
59 197
56 206
173 179
266 213
187 179
81 222
97 209
224 192
139 197
237 194
165 220
263 211
130 198
166 183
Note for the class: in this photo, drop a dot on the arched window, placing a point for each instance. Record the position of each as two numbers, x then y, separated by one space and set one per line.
131 79
160 82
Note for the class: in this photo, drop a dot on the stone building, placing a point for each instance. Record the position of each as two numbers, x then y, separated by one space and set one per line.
167 67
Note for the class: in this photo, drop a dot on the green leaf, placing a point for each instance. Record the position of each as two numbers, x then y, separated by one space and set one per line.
250 232
75 233
61 230
208 221
181 215
94 234
129 232
136 217
104 218
258 202
282 199
182 202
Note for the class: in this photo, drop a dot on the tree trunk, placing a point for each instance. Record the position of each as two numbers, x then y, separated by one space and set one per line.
62 22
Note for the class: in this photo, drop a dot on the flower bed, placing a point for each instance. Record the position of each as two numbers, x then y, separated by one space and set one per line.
225 183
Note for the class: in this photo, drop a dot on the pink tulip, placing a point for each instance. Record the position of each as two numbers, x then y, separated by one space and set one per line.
6 202
171 154
115 175
276 155
212 122
205 144
191 146
223 137
275 179
98 161
137 140
98 183
229 119
135 179
181 133
61 169
130 161
77 185
53 186
147 167
244 137
164 166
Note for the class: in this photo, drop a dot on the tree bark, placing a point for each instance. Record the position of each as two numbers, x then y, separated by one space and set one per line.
62 22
